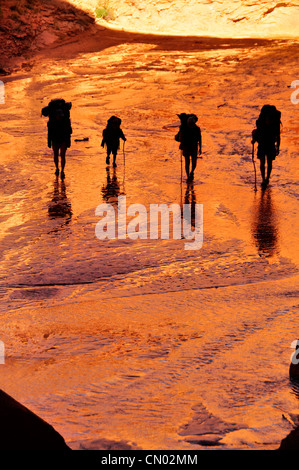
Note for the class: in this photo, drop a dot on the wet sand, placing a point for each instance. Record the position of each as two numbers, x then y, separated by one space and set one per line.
142 343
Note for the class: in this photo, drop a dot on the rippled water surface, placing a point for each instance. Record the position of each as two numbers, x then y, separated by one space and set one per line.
140 340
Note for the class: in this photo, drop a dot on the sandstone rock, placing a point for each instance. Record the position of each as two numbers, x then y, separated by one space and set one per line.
291 442
21 429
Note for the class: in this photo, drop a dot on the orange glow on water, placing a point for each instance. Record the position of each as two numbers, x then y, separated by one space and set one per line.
142 341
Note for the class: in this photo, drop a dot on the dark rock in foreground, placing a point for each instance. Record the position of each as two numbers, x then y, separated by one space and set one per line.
21 429
291 442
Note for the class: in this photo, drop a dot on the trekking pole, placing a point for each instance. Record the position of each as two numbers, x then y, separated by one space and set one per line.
181 178
254 166
124 155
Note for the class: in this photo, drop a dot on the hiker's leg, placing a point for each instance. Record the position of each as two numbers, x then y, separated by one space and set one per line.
261 155
269 166
187 164
55 148
194 162
63 150
114 159
108 156
262 167
62 157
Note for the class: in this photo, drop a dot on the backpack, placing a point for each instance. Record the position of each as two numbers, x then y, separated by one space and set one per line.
184 119
114 120
268 124
57 107
110 133
58 112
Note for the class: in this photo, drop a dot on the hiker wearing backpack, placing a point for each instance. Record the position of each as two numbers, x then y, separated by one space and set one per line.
189 137
267 135
111 138
59 130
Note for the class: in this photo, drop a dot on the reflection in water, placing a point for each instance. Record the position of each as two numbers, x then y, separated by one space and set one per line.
60 207
264 227
190 199
294 387
111 190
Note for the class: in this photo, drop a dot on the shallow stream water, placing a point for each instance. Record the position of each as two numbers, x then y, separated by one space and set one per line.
142 341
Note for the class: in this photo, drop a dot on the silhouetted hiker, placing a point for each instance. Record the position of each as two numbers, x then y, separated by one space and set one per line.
189 137
267 135
111 135
59 130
